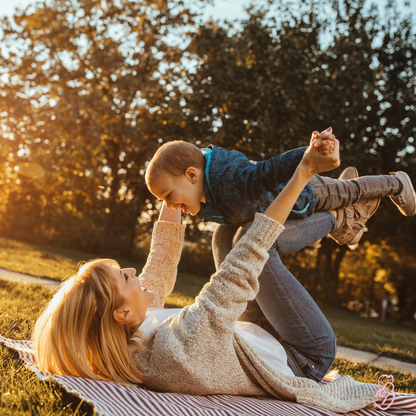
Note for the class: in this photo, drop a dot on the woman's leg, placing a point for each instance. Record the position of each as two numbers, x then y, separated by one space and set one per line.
222 242
297 234
301 327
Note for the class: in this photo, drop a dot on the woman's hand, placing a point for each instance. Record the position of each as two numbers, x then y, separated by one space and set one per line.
327 144
314 162
170 214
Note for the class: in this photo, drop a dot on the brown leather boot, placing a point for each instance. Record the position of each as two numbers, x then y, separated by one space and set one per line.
352 219
349 173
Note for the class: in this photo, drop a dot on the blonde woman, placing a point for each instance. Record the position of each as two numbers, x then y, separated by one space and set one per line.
106 324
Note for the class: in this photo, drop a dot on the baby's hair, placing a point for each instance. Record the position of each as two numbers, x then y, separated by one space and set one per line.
173 158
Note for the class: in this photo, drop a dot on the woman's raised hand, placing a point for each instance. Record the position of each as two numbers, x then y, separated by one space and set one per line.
314 162
327 144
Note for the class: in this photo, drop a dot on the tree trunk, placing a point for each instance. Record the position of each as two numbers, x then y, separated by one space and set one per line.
332 255
371 294
141 194
112 162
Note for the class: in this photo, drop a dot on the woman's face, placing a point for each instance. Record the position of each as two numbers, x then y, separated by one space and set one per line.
136 297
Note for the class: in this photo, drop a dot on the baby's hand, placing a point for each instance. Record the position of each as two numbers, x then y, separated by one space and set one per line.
327 143
314 162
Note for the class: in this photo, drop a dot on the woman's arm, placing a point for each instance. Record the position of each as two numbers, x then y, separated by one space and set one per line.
159 273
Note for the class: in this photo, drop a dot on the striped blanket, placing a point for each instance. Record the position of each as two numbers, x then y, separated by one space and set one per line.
113 399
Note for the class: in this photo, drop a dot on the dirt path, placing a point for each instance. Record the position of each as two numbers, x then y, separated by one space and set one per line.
25 278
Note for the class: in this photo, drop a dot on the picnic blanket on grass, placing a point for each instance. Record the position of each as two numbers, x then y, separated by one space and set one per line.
112 399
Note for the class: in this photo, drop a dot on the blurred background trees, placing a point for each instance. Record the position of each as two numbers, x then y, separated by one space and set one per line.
89 90
85 94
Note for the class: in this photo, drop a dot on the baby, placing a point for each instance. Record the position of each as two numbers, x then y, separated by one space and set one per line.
225 187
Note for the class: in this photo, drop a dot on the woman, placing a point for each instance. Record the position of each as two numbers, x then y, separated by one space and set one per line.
90 327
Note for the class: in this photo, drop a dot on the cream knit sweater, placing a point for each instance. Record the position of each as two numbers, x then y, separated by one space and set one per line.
198 352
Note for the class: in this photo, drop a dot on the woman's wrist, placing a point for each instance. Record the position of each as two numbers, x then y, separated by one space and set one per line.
281 207
170 214
305 172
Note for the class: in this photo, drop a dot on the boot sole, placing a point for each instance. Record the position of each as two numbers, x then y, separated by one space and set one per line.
349 173
407 177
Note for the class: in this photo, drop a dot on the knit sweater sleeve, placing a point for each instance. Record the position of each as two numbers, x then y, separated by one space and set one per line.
160 271
224 298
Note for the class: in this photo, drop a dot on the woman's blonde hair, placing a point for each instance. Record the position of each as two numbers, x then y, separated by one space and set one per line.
76 334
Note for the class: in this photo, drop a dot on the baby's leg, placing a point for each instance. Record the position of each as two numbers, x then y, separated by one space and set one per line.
334 193
357 199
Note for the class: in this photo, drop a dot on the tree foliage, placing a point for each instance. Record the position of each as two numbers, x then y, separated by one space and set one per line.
86 90
89 89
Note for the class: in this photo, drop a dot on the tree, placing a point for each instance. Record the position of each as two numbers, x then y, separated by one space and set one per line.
264 88
90 96
86 89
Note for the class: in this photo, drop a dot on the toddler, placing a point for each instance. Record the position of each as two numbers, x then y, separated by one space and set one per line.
225 187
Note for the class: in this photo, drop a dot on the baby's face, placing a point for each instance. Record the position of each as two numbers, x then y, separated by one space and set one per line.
180 192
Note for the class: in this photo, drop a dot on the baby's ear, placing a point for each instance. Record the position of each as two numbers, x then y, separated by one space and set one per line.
192 173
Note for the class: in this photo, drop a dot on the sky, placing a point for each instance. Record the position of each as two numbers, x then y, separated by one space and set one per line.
222 9
228 9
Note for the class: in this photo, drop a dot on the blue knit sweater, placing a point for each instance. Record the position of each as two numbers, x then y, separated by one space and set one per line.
236 188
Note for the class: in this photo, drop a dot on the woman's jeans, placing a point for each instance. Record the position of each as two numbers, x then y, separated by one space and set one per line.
282 306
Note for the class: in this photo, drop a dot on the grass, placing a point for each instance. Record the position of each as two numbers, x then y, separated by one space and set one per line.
38 260
382 338
54 263
22 393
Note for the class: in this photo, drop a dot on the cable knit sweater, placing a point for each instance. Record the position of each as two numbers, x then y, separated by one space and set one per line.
197 351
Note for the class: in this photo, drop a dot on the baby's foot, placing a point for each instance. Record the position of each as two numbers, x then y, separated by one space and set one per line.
352 219
406 199
349 173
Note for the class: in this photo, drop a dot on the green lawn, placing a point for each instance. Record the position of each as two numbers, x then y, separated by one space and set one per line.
22 393
366 334
38 260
